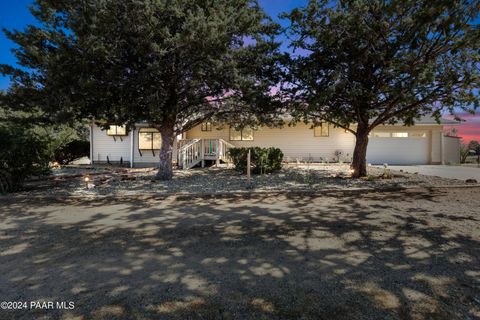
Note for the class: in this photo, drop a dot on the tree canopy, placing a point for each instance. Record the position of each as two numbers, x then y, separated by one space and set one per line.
368 63
176 63
170 63
474 145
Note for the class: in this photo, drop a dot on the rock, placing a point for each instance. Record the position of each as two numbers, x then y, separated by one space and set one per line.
471 181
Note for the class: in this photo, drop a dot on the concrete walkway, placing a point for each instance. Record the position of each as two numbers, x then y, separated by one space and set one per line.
449 172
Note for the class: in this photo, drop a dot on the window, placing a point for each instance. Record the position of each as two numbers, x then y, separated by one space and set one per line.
321 130
117 131
245 134
207 126
399 134
235 135
418 134
149 139
380 134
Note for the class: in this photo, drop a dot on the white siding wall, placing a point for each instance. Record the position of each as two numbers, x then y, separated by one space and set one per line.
436 148
295 142
104 145
452 150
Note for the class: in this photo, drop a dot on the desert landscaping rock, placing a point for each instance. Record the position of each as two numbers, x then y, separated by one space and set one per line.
140 181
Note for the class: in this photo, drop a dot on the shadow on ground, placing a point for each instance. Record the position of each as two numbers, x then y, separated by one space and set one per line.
391 255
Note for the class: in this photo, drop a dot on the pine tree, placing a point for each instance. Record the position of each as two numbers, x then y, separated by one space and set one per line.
367 63
170 63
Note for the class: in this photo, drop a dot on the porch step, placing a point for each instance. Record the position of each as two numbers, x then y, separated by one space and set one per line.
194 151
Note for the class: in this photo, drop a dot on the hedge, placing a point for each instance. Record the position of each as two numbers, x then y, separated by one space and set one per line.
23 153
263 160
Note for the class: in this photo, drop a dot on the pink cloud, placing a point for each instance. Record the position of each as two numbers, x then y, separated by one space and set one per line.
469 129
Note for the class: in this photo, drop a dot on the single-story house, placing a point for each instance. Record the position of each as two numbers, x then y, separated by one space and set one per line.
423 143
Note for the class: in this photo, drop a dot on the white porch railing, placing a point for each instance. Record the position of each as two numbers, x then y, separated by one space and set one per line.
183 142
193 151
189 154
223 150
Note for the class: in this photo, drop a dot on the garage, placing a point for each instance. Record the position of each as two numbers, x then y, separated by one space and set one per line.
398 148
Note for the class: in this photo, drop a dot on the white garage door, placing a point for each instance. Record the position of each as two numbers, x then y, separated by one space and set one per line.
398 150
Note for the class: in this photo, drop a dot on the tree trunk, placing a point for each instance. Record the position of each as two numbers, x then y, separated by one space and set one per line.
359 163
165 170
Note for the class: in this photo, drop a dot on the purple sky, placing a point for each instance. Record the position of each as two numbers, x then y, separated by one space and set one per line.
15 15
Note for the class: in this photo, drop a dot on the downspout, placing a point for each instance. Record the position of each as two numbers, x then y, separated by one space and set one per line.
442 148
430 146
91 143
132 137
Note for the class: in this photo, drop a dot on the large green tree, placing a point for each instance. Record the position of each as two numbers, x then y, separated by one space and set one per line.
170 63
364 63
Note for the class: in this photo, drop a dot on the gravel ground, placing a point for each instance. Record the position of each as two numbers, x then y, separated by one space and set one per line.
342 255
123 181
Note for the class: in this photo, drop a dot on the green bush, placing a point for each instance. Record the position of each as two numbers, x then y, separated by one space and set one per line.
23 153
263 160
5 181
71 151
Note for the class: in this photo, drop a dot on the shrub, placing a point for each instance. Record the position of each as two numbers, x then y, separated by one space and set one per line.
263 160
23 153
5 181
71 151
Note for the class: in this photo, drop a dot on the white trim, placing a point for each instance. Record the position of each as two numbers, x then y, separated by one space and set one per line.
91 144
132 153
430 142
442 148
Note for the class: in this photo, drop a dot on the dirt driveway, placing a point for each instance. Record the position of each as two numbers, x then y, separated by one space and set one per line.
391 255
449 172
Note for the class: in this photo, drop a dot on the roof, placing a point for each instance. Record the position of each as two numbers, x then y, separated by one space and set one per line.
425 120
431 120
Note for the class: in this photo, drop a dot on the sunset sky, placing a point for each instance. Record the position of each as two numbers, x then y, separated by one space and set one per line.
470 128
15 15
